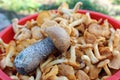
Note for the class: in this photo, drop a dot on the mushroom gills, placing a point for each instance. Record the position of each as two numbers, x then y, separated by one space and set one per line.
29 59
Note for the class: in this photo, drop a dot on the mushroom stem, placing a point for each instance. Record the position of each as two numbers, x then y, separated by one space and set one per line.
89 52
77 6
72 60
93 70
97 54
110 44
107 70
91 55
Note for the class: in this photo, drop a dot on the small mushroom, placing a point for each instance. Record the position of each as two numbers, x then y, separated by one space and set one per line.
115 61
99 30
101 52
72 60
103 64
36 33
93 70
62 78
22 34
42 16
67 70
51 74
81 75
38 74
77 6
110 42
15 25
89 37
89 51
29 59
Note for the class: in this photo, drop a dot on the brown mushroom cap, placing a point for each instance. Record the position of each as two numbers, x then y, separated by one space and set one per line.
59 36
115 61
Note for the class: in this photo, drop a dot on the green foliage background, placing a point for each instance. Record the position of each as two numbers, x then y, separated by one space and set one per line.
32 5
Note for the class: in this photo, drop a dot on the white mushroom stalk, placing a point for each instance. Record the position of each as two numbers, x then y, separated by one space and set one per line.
88 19
42 66
64 8
110 44
39 74
96 50
57 61
72 60
77 22
77 6
90 53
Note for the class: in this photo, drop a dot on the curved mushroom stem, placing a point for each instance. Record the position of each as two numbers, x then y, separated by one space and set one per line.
86 59
97 53
77 22
107 70
110 44
77 6
72 60
39 74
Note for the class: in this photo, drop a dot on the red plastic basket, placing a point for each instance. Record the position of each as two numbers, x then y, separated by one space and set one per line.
7 35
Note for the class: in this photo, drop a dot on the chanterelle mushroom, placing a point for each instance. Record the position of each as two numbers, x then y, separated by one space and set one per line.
115 61
28 59
66 70
81 75
94 71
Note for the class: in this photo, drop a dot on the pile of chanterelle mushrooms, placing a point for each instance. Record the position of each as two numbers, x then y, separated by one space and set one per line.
93 54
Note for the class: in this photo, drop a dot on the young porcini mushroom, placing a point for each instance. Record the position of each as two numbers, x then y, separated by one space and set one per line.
115 61
103 64
59 36
29 59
